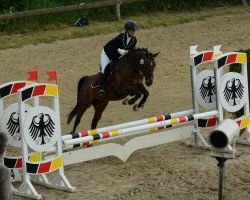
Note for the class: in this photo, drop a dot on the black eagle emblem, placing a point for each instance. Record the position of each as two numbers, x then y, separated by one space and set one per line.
39 128
207 89
13 126
233 90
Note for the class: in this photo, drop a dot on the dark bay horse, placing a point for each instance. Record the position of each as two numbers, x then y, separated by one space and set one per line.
125 80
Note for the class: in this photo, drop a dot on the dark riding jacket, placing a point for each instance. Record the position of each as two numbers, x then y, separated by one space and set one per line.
119 42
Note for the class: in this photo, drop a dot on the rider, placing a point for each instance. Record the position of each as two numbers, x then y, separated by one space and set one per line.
115 49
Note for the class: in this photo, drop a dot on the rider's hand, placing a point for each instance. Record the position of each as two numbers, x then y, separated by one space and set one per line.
122 51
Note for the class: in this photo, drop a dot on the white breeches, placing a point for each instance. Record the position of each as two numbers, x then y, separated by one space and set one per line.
104 61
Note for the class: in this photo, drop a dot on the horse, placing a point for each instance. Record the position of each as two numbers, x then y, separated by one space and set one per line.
126 79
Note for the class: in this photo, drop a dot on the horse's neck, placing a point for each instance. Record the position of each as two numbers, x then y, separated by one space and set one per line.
132 63
128 68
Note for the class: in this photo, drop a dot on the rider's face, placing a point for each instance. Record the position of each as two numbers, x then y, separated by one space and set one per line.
131 33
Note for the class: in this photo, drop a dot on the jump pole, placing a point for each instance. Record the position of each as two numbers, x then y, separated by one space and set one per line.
124 151
84 144
127 125
115 133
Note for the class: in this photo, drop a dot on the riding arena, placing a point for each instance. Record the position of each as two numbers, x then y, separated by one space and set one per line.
159 151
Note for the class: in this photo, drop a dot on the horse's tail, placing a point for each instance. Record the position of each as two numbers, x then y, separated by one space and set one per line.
73 113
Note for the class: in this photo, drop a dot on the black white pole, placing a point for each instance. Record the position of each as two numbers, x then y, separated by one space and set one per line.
221 164
220 139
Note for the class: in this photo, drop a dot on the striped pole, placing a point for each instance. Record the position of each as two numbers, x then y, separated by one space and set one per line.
152 130
127 125
144 127
85 144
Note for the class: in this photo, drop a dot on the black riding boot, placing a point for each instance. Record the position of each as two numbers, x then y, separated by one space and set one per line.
102 84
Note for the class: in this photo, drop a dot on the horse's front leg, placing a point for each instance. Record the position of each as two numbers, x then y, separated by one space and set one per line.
136 95
145 93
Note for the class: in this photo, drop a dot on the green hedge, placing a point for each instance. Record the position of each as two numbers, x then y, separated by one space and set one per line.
105 14
22 5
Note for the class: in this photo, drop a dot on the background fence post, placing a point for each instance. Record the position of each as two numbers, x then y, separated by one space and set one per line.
118 9
244 2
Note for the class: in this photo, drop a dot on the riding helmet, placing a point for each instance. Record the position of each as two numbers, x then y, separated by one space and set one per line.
130 25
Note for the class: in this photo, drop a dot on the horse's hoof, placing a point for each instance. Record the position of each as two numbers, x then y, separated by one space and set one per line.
135 107
125 101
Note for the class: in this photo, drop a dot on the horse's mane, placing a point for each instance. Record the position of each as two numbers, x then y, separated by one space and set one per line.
139 49
133 52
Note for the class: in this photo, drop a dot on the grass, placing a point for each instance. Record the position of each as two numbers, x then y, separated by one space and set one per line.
52 33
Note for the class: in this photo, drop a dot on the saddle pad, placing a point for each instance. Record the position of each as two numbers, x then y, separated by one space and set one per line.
95 81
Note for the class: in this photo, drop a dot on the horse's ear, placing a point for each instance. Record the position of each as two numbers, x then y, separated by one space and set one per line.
156 54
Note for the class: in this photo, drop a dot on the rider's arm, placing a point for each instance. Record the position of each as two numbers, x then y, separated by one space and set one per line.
122 51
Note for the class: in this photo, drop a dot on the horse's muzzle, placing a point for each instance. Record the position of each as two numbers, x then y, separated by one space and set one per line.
149 81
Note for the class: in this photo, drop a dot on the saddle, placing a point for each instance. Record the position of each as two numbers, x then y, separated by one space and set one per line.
108 73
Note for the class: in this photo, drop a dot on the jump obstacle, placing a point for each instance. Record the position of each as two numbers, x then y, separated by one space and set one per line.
29 116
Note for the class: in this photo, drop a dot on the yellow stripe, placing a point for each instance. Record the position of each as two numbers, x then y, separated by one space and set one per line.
225 115
93 132
36 157
174 121
115 133
153 129
245 122
51 90
151 120
241 58
29 83
94 141
57 163
216 55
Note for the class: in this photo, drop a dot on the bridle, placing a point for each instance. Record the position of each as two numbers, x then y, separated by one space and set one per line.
145 65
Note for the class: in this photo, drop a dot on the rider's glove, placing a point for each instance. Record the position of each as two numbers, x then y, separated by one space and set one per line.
122 51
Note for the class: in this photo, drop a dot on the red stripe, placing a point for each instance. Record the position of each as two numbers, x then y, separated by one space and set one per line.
84 133
19 163
160 118
44 167
239 122
16 87
84 144
182 119
211 122
231 58
105 135
38 90
207 56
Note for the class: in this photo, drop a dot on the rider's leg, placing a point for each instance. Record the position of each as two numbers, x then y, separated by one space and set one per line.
105 61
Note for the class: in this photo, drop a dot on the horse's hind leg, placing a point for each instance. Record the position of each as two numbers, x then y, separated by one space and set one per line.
99 107
79 116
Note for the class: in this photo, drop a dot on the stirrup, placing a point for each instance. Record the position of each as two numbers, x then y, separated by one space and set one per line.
101 94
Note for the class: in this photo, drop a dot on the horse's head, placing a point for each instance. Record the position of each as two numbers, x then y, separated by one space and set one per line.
148 64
